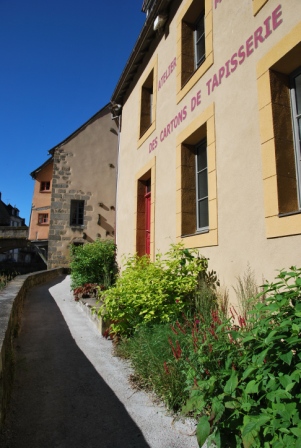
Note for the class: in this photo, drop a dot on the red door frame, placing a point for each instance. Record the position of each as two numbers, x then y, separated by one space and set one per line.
147 204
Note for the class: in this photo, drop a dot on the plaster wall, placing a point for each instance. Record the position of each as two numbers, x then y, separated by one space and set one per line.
84 169
40 204
241 230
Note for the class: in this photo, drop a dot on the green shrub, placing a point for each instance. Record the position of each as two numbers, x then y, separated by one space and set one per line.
245 381
153 292
151 356
93 263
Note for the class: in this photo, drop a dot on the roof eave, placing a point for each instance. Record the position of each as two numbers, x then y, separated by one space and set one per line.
140 49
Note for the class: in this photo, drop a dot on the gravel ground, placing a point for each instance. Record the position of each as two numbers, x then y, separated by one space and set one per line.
70 391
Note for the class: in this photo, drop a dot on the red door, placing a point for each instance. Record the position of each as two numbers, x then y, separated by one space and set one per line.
147 198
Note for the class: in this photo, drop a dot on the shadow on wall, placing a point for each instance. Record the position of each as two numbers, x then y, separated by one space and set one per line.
59 399
104 224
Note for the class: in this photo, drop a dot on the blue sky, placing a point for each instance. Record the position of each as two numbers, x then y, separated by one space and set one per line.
60 62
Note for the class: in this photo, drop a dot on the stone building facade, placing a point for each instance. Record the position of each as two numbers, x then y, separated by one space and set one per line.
83 187
9 219
210 141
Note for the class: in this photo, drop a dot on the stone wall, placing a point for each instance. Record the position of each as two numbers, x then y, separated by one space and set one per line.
61 234
13 232
84 170
11 305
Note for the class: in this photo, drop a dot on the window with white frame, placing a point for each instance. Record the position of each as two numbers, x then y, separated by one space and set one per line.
77 213
45 186
193 40
194 186
43 218
296 117
199 41
202 215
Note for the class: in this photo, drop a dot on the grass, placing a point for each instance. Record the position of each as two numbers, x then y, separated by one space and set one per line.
154 363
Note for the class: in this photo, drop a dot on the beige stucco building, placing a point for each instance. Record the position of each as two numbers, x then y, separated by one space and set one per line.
83 197
80 178
209 148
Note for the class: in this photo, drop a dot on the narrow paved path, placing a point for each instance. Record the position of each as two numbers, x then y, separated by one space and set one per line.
70 392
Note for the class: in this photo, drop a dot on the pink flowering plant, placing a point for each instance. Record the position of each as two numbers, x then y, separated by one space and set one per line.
243 374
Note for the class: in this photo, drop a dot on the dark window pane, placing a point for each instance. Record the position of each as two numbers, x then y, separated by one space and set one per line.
202 184
77 213
200 27
200 42
200 53
203 217
202 156
298 93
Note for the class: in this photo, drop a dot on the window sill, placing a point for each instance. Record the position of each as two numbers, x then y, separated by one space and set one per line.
147 133
198 232
283 215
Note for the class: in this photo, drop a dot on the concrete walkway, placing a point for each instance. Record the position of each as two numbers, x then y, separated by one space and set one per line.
70 392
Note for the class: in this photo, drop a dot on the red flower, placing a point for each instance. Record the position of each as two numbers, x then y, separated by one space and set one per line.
180 328
173 330
166 368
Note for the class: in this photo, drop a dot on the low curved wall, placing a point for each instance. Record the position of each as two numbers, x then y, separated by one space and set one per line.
11 305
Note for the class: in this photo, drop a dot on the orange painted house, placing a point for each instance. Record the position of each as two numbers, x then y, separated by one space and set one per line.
40 211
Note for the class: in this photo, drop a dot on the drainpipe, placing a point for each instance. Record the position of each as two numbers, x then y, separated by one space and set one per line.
116 111
117 178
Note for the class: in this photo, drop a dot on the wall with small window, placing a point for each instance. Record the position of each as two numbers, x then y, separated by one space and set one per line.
45 186
41 200
43 219
84 187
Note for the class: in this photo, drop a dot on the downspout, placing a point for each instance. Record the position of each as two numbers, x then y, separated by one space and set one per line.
116 110
117 180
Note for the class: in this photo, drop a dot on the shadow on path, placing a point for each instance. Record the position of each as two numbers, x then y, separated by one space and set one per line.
59 399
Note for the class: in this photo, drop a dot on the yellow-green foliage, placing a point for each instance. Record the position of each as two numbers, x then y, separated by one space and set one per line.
153 292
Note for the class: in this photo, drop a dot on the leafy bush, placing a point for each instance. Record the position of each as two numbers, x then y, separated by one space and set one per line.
153 292
156 368
93 263
245 381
